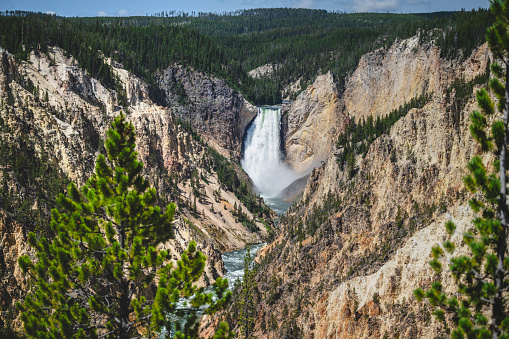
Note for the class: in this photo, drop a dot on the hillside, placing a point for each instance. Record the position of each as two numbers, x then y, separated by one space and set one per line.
52 126
304 43
376 126
349 254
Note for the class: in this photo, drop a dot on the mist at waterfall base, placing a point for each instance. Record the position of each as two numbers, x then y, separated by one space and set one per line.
262 158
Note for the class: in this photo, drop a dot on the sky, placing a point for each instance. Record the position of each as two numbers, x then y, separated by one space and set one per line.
136 7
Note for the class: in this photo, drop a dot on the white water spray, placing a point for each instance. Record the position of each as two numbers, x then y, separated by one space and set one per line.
262 155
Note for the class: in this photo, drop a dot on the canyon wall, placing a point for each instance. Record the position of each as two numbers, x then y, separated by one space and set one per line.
350 253
59 114
314 119
215 110
389 77
384 80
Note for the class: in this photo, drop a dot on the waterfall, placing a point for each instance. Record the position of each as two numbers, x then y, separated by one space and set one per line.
262 158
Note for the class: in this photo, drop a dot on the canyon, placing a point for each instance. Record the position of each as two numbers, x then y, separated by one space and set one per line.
350 252
343 261
64 118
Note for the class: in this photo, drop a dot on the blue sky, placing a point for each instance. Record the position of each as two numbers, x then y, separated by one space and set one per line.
136 7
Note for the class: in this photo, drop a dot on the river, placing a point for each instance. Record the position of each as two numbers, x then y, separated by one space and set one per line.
262 160
234 260
234 263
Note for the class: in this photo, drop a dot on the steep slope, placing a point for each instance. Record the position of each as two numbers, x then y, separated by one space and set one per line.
215 110
388 77
53 120
313 120
352 250
383 81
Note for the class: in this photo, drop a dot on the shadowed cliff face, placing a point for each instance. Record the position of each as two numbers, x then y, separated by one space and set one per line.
215 110
62 115
351 252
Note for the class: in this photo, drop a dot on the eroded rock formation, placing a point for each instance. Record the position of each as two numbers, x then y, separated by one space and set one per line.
314 119
61 114
351 252
215 110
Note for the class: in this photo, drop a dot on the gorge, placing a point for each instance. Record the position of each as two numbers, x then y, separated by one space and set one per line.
342 189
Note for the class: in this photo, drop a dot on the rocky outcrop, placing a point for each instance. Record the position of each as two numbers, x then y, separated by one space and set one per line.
264 71
62 114
387 78
351 252
215 110
314 119
13 285
383 81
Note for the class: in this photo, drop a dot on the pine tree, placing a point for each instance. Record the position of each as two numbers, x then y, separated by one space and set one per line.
479 308
247 298
101 275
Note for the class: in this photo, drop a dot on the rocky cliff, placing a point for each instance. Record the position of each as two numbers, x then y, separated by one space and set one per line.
314 119
215 110
384 80
353 249
388 77
53 120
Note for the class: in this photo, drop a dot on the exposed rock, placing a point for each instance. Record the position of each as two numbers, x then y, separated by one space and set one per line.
351 252
13 285
314 119
384 299
387 78
215 110
292 88
383 81
70 127
263 71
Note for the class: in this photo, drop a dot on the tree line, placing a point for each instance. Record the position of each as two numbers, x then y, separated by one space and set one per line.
302 43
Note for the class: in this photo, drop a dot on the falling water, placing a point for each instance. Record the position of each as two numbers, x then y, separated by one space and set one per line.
262 158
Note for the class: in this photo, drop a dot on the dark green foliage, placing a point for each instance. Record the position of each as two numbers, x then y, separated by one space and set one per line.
357 137
318 216
121 93
465 33
28 178
463 89
479 308
101 275
26 31
229 178
246 296
302 43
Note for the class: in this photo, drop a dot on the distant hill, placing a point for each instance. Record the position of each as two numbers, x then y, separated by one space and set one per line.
304 43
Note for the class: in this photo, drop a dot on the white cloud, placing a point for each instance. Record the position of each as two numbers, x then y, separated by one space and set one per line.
101 13
50 13
123 12
304 4
376 5
418 2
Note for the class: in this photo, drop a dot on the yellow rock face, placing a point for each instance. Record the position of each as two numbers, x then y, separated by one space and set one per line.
314 119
